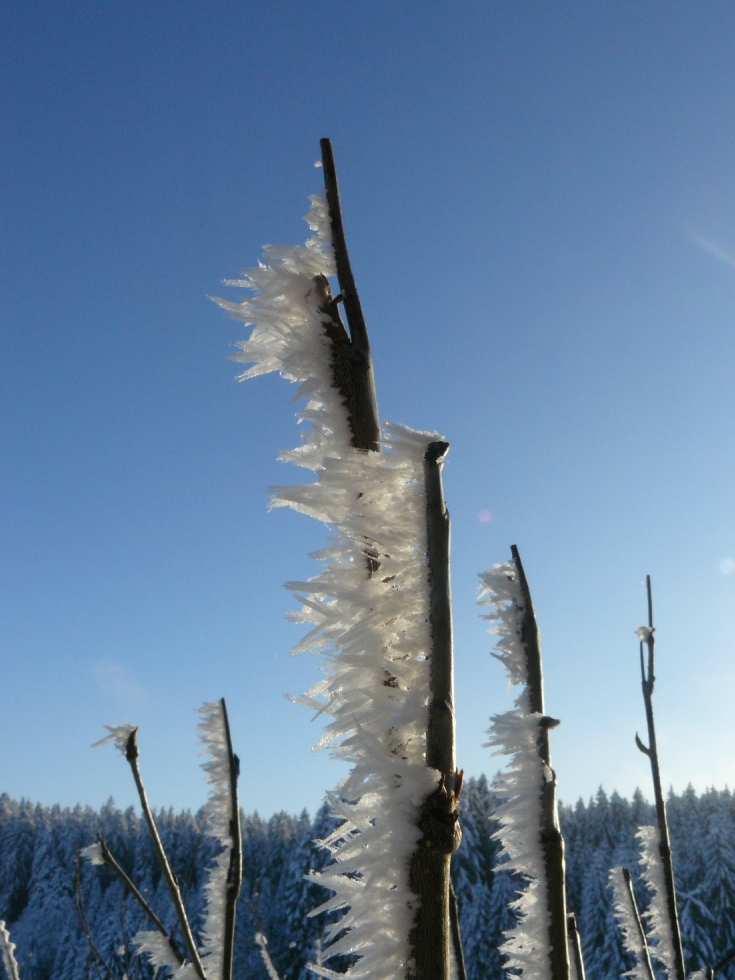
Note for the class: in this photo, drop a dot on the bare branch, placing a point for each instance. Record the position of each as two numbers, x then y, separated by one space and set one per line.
575 946
456 934
352 366
111 862
99 962
131 754
647 682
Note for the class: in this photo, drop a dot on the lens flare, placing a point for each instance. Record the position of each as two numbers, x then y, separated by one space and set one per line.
727 566
485 516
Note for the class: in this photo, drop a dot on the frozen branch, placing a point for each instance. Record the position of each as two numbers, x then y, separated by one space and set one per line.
131 754
647 665
106 857
625 909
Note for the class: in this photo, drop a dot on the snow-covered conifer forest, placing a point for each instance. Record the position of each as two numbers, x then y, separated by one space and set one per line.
38 848
380 886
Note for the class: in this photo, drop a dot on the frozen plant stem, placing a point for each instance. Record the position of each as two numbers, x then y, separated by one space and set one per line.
234 874
648 679
352 365
429 874
111 862
575 946
552 842
646 959
131 754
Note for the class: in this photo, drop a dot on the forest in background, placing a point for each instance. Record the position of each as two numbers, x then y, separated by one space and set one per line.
38 849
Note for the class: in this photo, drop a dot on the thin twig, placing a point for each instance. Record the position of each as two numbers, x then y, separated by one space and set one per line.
110 861
647 966
648 679
552 841
131 754
82 912
575 945
456 934
352 365
234 874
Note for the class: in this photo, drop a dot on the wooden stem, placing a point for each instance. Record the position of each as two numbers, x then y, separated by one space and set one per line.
552 842
234 874
438 819
352 365
646 964
456 934
131 754
110 861
575 946
648 679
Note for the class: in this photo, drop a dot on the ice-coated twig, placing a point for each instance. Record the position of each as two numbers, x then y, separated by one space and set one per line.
223 817
657 917
7 948
266 956
670 943
126 740
537 945
373 626
627 916
100 853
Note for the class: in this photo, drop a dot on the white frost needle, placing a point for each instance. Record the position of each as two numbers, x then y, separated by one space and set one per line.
119 734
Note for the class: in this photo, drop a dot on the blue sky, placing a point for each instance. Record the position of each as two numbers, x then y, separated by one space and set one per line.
540 206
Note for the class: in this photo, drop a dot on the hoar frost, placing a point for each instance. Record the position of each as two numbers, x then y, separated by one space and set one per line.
656 918
515 734
372 628
626 919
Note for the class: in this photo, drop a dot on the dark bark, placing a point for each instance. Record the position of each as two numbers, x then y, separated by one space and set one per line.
352 365
552 842
648 679
438 820
131 754
234 873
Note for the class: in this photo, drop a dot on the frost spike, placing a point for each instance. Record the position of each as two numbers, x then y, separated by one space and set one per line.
552 841
352 364
648 678
438 820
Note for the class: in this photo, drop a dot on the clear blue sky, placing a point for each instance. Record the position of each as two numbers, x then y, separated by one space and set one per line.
540 204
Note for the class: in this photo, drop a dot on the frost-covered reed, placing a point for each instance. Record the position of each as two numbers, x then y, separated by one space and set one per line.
626 916
515 734
656 918
372 626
